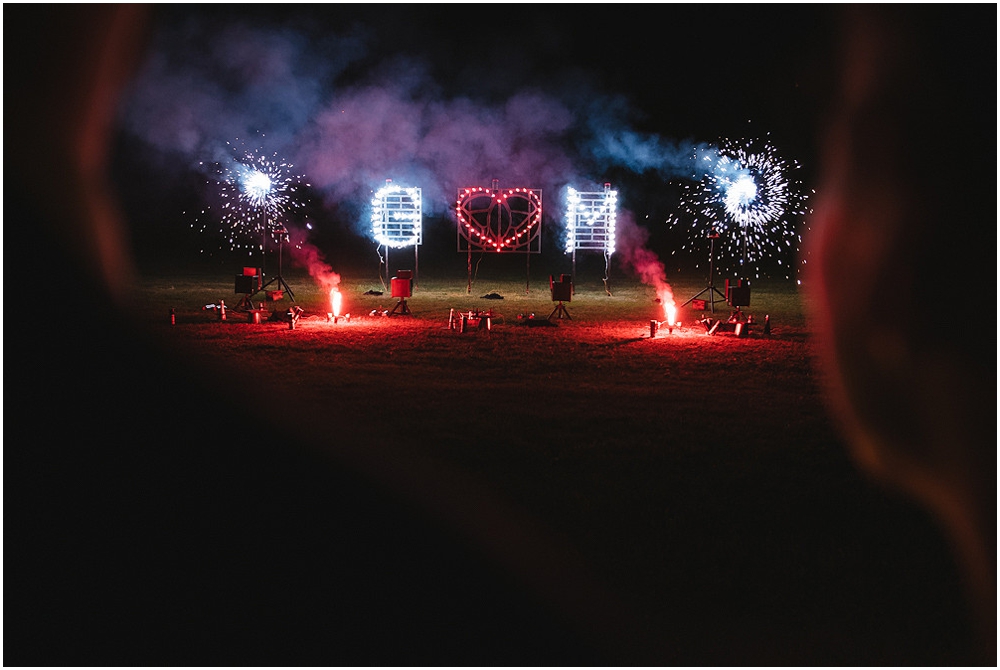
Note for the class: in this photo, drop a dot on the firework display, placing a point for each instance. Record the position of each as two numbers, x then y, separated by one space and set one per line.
397 216
502 221
590 220
744 192
255 193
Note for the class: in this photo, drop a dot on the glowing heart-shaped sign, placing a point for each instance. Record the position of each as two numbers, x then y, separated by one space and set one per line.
491 219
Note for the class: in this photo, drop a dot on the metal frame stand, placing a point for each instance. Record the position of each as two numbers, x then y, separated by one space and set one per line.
246 302
561 311
401 304
282 234
710 289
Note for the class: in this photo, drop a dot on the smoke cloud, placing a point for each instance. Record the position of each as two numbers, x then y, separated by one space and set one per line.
635 254
349 121
306 255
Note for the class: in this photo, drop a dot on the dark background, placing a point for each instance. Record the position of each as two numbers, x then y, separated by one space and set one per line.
133 538
676 74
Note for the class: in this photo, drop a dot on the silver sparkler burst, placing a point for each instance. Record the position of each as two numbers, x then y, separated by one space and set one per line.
744 191
256 196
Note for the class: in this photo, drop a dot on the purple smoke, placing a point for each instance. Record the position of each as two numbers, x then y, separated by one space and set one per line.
348 128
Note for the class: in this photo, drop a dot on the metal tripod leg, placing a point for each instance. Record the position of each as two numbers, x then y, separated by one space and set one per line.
402 306
711 291
246 302
561 311
281 284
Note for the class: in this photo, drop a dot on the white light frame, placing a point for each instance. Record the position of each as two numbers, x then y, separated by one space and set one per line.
397 216
591 218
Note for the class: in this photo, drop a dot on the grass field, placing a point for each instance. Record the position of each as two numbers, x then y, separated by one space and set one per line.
698 479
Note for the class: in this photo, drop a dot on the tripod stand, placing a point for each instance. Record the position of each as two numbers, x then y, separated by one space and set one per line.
402 288
561 311
713 235
249 285
282 233
561 290
402 307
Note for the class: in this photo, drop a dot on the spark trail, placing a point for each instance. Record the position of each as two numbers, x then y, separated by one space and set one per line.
745 192
256 194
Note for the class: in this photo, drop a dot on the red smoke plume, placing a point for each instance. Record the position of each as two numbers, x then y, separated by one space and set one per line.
309 257
631 244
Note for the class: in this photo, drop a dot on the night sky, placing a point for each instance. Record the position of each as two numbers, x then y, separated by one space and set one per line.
447 96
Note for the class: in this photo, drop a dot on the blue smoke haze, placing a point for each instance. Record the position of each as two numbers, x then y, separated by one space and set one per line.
348 120
353 96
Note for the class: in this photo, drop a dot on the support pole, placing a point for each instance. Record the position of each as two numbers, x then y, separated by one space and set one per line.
710 289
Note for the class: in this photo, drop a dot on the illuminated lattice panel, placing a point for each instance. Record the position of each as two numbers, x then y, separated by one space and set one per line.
590 220
500 220
397 216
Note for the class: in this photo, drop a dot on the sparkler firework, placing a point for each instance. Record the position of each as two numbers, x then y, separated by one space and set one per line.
396 216
590 224
590 220
255 192
745 194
